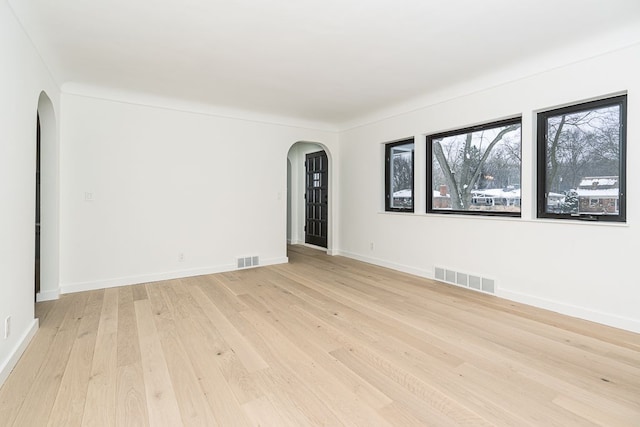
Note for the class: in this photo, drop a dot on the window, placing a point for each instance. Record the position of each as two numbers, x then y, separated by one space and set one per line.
399 176
475 170
581 161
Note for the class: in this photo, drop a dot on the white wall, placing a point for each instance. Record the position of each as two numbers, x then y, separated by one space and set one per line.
582 269
23 77
165 182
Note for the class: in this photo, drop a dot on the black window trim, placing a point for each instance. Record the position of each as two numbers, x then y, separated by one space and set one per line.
541 178
387 170
487 125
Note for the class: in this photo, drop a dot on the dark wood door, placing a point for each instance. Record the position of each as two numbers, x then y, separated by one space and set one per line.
317 199
37 254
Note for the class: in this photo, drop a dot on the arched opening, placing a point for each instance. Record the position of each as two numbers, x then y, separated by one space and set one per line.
47 216
309 219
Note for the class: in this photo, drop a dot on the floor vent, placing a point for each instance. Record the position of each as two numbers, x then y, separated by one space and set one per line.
466 280
248 261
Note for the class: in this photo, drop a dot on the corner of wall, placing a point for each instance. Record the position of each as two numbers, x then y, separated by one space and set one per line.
15 354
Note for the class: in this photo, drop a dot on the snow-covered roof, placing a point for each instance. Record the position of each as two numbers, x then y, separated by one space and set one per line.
498 193
436 193
600 181
402 193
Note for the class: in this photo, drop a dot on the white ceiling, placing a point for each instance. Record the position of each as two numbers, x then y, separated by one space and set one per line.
329 61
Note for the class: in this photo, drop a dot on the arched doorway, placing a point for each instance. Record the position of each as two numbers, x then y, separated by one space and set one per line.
47 195
309 195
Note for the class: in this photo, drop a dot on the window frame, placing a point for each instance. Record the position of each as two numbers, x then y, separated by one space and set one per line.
388 148
461 131
541 167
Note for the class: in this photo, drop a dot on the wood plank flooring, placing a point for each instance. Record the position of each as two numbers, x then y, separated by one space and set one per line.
319 341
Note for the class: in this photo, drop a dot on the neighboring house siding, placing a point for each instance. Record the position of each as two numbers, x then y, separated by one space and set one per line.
599 195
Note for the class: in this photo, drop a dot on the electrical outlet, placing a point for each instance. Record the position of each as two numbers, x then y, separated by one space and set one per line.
7 327
181 257
371 245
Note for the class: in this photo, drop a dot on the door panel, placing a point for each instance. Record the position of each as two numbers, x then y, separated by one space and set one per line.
317 199
38 199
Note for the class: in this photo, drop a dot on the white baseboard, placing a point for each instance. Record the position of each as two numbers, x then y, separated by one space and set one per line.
48 295
156 277
608 319
331 252
309 245
16 353
383 263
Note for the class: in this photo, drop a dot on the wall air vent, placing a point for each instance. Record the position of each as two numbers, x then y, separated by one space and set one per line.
466 280
248 261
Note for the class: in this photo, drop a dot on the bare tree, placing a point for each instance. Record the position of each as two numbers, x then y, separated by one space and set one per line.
463 172
402 172
581 144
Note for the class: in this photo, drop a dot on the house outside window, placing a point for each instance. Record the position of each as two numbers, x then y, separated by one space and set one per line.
598 194
581 161
399 176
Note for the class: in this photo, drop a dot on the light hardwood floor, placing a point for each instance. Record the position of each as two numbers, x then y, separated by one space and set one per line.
320 341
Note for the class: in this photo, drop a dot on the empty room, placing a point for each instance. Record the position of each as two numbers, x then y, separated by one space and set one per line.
292 213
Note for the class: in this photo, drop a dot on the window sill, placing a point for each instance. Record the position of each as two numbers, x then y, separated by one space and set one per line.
569 222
